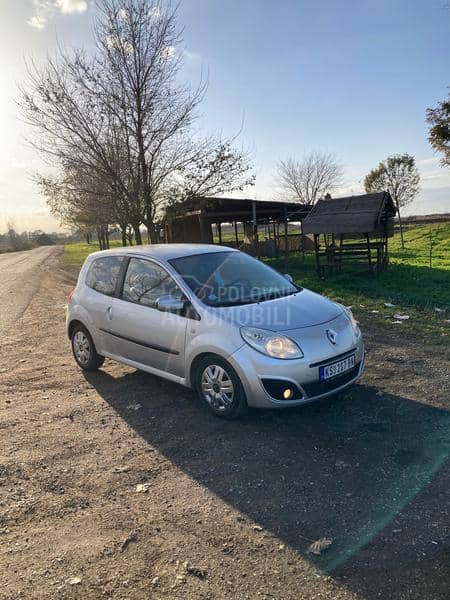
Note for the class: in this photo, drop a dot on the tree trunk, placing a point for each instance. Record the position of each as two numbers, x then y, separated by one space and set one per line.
401 226
137 234
152 232
123 231
99 238
129 231
107 237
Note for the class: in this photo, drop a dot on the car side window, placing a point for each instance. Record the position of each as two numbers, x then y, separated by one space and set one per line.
145 282
103 273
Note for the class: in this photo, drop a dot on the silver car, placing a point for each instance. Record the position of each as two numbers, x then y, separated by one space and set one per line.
214 319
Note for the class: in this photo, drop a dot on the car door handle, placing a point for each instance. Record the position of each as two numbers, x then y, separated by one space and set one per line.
109 313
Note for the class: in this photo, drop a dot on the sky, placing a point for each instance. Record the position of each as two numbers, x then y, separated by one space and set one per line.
352 77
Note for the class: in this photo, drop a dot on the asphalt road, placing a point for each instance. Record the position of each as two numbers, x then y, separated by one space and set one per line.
20 277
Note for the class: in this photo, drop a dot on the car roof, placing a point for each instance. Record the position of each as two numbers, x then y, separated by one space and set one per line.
163 251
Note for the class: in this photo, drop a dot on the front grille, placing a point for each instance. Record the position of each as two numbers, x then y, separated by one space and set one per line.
317 388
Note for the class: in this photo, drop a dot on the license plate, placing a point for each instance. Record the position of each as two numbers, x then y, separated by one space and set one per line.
337 368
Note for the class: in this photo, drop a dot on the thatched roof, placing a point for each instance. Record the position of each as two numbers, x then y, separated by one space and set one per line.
368 213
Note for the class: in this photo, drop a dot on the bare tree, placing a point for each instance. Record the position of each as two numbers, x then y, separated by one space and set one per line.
14 240
399 176
217 168
122 115
310 178
78 203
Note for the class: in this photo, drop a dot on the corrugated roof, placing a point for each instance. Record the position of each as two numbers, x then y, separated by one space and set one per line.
352 214
226 209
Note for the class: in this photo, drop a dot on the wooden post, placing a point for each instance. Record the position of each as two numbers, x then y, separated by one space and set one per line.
302 244
219 231
341 243
369 254
236 233
285 233
255 229
317 249
201 225
275 238
386 255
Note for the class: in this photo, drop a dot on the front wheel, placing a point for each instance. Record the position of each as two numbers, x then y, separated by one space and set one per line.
84 351
220 388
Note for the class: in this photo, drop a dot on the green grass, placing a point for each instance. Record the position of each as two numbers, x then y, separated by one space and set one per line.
409 279
76 253
409 283
417 242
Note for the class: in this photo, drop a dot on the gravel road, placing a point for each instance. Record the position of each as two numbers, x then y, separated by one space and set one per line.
118 485
20 275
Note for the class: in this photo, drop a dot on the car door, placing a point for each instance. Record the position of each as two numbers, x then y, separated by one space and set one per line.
143 333
100 287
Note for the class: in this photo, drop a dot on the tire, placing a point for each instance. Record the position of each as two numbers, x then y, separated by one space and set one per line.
219 388
83 349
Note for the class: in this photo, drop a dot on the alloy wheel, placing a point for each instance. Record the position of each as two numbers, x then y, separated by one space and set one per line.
81 347
217 388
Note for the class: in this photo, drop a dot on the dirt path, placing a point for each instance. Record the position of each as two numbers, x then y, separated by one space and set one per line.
21 274
230 508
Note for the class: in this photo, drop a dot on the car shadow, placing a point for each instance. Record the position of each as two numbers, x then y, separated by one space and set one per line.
366 470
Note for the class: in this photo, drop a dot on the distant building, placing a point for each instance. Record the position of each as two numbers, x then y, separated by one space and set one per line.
354 229
258 227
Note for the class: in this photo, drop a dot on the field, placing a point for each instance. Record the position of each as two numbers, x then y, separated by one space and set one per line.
74 254
416 289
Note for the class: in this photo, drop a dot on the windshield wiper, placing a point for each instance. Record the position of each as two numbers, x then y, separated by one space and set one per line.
275 295
256 299
235 302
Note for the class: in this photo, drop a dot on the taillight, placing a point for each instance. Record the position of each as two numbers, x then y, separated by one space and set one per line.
70 294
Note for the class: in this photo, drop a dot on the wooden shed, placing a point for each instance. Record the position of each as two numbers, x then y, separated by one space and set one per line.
258 227
351 229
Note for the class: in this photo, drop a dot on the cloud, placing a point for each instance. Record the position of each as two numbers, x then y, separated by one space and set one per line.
114 41
38 22
432 175
72 6
192 56
155 12
44 10
169 52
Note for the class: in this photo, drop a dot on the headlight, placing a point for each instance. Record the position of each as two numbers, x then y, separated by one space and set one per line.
271 343
353 321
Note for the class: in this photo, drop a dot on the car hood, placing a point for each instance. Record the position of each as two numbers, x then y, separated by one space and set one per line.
303 309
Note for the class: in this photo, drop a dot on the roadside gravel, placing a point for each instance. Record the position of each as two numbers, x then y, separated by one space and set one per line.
119 485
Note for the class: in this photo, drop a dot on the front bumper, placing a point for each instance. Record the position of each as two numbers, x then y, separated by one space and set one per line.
253 367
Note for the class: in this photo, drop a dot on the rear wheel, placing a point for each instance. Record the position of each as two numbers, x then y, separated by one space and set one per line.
83 349
220 388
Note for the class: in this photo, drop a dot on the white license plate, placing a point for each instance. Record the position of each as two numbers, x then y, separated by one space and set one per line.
341 366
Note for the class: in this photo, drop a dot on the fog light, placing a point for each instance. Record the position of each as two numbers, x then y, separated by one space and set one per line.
288 393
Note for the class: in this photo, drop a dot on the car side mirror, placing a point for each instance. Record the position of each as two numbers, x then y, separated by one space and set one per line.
289 277
170 304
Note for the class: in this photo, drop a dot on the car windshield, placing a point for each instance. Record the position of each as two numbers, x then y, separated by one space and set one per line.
231 278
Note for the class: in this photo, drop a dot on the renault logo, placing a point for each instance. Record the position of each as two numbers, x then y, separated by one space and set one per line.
332 336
